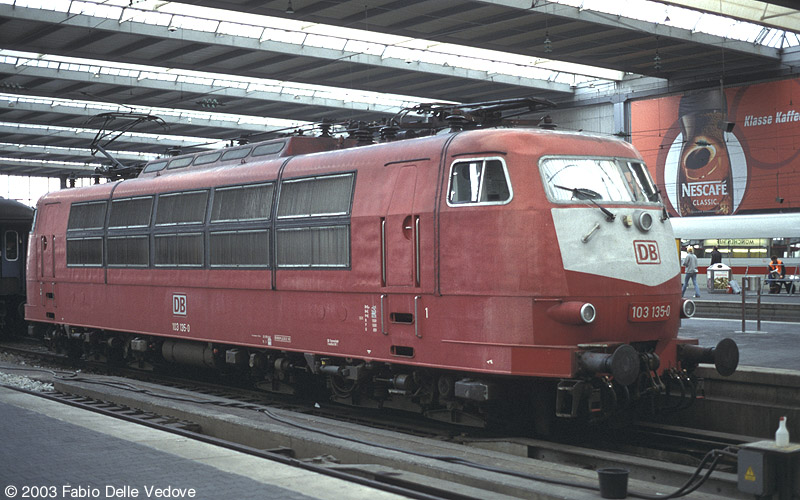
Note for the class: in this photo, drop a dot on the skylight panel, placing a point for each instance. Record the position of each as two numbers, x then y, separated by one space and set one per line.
236 29
153 75
56 5
145 17
684 18
95 9
260 87
374 49
326 42
284 36
193 23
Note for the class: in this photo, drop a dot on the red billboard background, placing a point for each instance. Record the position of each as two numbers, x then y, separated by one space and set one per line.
715 152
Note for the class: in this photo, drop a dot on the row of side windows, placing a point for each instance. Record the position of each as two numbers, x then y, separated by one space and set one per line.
234 230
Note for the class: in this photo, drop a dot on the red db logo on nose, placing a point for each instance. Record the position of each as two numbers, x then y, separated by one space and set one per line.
646 252
179 305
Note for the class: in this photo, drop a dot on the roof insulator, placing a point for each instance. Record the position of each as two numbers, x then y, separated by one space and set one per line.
547 123
457 122
389 133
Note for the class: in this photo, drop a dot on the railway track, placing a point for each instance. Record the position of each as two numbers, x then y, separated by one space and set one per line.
682 444
483 471
662 456
193 431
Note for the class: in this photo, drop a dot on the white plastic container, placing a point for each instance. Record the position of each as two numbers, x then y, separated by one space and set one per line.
782 434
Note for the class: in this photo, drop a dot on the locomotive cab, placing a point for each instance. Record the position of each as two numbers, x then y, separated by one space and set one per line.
615 239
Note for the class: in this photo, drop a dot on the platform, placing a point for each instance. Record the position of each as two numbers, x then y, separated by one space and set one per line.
774 345
774 307
80 454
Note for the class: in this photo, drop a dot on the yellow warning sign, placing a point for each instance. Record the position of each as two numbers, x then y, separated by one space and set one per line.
749 475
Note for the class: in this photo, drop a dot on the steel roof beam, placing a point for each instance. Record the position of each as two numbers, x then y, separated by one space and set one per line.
45 168
233 123
38 149
630 24
201 37
187 87
72 133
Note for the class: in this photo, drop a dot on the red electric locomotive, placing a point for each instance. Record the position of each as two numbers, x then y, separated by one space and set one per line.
469 275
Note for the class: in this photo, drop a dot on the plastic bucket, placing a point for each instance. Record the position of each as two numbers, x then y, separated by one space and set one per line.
613 482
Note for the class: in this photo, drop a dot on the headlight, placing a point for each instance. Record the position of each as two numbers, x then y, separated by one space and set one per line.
573 313
643 220
688 308
588 313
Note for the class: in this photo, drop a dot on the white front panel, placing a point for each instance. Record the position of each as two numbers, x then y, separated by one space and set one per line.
613 250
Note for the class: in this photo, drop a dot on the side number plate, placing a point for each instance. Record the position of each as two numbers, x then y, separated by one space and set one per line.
649 311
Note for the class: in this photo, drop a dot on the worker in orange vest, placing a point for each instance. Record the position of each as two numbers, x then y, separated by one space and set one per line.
776 272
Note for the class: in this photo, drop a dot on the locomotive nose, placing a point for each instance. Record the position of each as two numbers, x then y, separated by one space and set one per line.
724 357
622 364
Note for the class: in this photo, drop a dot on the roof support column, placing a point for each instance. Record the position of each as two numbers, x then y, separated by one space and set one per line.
622 119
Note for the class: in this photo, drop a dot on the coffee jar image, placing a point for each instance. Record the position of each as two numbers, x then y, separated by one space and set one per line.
705 179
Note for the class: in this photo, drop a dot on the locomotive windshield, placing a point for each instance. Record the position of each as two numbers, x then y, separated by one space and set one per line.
599 180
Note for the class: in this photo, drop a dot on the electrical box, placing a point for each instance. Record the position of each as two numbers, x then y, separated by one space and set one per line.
765 469
756 472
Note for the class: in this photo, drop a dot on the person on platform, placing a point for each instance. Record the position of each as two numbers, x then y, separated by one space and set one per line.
716 256
690 263
775 272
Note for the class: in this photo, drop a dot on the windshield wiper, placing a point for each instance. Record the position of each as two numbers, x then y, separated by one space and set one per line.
588 194
660 199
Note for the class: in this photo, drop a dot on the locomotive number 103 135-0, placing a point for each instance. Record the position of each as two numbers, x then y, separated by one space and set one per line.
181 327
649 311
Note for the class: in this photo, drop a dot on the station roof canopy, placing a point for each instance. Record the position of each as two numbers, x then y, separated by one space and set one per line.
216 72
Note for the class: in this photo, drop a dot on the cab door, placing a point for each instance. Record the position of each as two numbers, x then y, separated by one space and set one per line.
46 245
47 267
400 233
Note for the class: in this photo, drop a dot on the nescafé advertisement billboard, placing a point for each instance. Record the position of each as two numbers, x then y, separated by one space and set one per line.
722 152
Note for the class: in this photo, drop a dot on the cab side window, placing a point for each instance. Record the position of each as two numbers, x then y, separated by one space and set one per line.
479 182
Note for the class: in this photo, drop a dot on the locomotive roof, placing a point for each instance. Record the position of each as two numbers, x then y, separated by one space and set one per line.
299 145
14 210
264 150
250 167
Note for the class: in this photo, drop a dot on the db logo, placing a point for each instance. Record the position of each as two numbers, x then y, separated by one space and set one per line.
179 305
646 252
